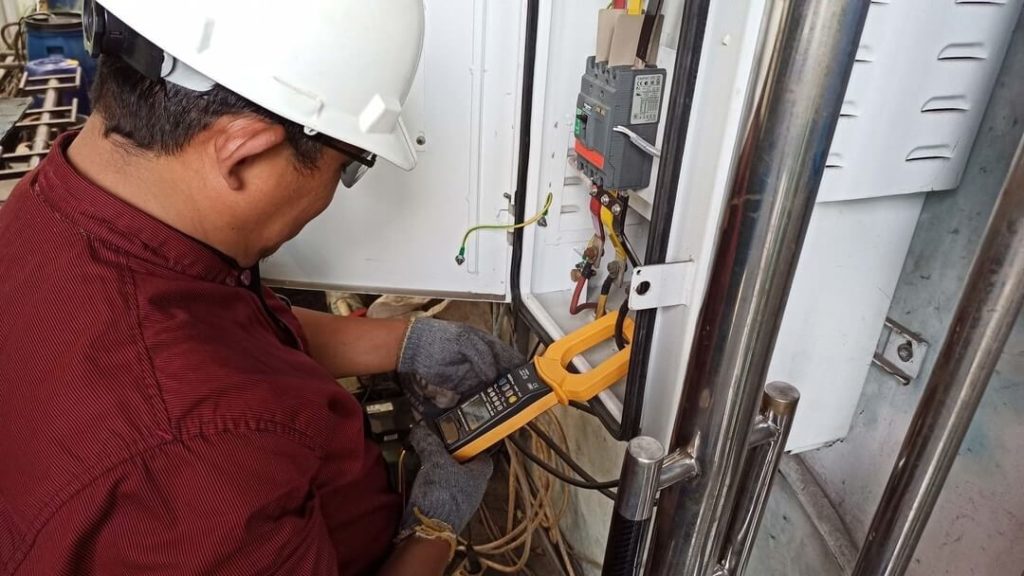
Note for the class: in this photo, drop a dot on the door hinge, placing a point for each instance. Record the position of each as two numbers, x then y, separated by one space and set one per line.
661 285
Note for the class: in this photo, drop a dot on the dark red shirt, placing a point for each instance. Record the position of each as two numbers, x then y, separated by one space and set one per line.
158 412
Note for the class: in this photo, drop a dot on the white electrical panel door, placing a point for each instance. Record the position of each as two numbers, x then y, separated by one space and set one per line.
399 232
919 87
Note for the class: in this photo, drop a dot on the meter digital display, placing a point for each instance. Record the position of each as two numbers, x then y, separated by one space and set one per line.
484 417
475 412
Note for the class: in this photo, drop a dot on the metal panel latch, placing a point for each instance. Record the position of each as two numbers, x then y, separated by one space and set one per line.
900 351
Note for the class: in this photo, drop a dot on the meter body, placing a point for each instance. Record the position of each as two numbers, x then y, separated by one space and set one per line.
482 420
486 417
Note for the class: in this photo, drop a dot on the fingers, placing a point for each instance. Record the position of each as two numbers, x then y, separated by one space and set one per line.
508 358
426 443
481 466
429 447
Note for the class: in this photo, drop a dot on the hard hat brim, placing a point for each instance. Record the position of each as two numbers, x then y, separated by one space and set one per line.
396 147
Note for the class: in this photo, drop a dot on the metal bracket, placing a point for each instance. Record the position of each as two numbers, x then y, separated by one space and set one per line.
678 466
42 83
661 285
900 351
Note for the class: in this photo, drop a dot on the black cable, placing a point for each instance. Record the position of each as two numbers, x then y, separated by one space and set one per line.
367 388
630 252
620 229
582 407
586 273
566 457
524 319
545 466
3 34
693 24
647 29
620 324
529 63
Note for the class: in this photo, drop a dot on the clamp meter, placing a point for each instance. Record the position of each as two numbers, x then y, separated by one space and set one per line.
487 417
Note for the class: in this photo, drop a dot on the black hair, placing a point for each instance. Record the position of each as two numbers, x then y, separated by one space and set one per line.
162 118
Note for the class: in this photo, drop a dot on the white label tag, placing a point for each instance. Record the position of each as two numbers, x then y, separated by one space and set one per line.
647 90
380 408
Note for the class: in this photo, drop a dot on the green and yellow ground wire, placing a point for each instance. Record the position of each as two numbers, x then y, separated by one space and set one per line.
461 258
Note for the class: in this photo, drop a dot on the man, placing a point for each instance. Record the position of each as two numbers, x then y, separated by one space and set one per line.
161 412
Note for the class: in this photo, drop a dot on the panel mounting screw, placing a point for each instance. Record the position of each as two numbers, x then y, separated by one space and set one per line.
905 351
543 222
421 140
643 287
605 200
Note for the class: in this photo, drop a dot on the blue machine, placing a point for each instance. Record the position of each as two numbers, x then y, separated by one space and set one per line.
59 34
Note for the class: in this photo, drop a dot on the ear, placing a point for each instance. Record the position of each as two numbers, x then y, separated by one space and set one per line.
239 139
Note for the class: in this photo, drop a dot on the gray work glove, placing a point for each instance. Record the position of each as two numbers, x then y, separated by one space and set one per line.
443 361
444 490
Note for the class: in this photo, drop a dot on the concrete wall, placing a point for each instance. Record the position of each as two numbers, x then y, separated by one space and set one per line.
978 524
586 522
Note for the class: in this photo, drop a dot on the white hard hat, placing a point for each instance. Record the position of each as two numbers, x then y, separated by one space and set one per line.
338 67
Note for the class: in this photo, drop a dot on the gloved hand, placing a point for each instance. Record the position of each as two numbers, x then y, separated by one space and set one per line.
445 490
442 361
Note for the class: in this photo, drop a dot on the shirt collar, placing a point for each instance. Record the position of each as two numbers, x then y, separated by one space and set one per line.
100 214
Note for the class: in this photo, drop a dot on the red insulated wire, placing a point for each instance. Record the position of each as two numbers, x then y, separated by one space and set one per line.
574 306
595 211
619 4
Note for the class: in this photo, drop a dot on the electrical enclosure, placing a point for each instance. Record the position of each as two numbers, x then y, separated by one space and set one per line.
921 81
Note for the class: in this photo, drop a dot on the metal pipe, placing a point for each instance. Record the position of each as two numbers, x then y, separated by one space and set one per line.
41 140
778 406
820 510
985 315
809 49
762 432
678 466
634 506
8 64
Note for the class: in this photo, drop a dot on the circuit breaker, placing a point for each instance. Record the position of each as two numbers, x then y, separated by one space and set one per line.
620 97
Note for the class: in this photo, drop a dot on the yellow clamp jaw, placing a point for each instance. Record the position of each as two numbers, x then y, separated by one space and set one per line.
552 366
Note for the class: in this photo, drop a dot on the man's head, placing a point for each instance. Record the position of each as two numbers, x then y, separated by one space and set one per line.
261 171
307 105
